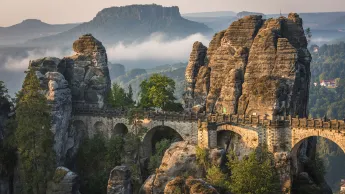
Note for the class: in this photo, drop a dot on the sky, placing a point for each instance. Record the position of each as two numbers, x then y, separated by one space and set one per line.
71 11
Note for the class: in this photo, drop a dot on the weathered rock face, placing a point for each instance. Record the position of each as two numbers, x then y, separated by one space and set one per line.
87 72
120 181
196 61
79 80
59 97
178 160
189 186
64 182
256 66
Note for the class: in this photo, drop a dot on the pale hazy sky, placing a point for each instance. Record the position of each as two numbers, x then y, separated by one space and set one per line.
69 11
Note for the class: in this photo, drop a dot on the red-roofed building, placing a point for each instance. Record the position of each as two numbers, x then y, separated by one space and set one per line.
328 83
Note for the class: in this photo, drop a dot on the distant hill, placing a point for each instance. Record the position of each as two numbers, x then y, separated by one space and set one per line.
246 13
337 24
210 14
318 20
130 23
29 29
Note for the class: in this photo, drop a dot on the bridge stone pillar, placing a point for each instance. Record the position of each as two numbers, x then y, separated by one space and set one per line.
207 135
283 166
278 140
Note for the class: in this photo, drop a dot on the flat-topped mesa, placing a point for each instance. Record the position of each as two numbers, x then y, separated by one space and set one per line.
255 67
142 12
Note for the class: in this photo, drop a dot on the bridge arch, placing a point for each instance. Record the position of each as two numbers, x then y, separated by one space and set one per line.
99 127
120 129
79 129
299 135
157 134
250 138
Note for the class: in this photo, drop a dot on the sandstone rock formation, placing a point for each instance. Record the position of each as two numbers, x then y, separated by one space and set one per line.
189 186
87 71
120 181
255 67
178 160
80 80
59 97
64 182
196 61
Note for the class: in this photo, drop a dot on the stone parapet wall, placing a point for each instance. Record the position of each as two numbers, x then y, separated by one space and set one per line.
317 123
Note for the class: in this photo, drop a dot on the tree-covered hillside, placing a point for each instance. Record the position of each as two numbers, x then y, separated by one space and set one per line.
328 64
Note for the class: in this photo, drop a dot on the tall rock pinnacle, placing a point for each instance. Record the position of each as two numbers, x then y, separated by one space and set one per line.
255 67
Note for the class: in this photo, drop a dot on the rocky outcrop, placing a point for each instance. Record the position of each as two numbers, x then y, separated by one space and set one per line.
189 186
59 97
64 182
255 67
120 181
87 71
196 61
79 80
179 160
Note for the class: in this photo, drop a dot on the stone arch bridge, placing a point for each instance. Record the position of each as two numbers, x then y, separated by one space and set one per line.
282 135
111 122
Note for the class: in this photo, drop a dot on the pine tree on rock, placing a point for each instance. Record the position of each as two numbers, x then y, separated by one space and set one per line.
33 136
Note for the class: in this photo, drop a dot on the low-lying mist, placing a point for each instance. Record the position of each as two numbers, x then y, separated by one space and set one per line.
154 51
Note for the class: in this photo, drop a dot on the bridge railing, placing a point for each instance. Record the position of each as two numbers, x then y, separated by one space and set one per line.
216 118
277 121
247 119
317 123
148 114
183 116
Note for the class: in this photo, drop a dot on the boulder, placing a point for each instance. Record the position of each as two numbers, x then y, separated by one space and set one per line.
189 186
64 182
120 181
179 160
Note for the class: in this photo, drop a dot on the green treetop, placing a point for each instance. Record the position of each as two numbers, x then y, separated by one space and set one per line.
119 98
254 174
158 91
33 136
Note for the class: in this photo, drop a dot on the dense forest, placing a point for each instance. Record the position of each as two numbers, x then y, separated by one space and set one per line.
328 64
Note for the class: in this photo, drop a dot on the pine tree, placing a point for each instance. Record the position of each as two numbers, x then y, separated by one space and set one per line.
129 97
33 136
119 98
